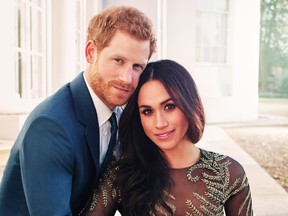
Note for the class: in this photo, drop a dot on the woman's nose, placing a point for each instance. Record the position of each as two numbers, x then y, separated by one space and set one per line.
161 121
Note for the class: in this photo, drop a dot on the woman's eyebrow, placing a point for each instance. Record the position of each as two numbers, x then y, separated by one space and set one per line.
163 102
144 106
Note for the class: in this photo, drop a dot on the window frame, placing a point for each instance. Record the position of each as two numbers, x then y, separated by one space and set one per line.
208 41
31 49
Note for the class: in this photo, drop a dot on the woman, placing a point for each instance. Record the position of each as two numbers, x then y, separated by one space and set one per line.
161 171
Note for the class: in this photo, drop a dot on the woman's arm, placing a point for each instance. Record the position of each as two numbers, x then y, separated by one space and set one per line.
105 198
240 199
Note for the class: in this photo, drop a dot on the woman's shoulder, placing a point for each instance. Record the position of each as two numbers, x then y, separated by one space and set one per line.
218 160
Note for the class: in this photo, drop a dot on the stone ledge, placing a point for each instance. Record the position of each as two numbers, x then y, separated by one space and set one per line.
6 144
10 125
5 147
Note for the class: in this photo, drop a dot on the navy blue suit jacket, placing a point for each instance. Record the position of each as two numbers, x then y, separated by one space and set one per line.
54 162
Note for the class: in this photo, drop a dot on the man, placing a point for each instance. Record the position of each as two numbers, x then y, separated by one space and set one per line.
63 147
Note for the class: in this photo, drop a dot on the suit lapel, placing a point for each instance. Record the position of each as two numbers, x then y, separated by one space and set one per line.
86 113
92 138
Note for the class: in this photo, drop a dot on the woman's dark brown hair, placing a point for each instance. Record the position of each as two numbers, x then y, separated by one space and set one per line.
143 173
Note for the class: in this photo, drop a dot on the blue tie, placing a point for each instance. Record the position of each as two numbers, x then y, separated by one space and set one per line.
113 123
111 152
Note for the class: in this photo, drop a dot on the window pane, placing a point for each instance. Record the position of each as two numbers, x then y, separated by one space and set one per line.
37 31
214 5
211 31
19 69
38 2
37 79
22 20
31 68
80 34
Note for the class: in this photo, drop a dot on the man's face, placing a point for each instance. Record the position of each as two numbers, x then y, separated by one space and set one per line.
115 71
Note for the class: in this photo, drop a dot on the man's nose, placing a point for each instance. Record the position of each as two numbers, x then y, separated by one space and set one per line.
126 73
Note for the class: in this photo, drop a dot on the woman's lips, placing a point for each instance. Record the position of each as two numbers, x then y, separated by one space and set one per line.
164 135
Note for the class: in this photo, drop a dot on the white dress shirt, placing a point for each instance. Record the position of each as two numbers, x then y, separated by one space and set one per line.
103 114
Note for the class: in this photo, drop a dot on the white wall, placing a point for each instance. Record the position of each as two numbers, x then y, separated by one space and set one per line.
63 37
245 60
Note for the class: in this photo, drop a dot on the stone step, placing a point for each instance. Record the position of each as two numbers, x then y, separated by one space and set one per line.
5 147
10 125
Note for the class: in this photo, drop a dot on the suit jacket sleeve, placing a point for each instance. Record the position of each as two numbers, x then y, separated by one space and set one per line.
49 166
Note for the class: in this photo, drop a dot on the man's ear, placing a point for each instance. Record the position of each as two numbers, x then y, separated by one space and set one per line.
90 51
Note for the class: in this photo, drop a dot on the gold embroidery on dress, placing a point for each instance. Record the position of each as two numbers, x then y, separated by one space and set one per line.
212 172
219 187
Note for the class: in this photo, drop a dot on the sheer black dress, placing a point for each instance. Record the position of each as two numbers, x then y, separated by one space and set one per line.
215 185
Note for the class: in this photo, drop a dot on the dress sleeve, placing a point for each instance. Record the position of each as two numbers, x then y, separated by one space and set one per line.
239 201
105 198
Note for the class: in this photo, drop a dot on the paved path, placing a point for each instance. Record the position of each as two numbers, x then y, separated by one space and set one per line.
5 146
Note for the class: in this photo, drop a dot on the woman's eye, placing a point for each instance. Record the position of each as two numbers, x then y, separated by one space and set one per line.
147 111
170 106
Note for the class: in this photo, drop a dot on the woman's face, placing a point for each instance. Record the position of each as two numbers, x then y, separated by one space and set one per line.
163 122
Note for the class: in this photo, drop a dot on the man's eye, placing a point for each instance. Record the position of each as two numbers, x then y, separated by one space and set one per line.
138 67
118 60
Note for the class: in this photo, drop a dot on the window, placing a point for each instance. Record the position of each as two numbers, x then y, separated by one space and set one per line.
31 48
211 31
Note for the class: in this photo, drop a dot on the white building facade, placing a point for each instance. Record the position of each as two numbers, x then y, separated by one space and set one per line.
42 47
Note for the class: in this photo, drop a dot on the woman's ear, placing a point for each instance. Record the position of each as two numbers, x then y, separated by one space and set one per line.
90 51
